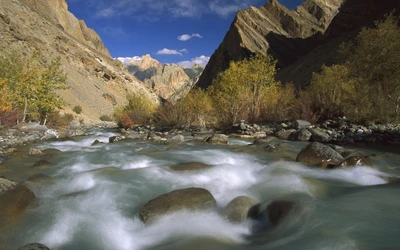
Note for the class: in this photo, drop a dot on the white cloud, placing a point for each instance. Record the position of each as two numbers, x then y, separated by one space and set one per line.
202 60
166 51
186 37
126 60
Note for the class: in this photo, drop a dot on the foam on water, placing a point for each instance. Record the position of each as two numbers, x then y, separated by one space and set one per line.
365 176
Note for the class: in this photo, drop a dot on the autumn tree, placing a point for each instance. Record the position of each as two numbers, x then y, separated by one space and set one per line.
33 85
239 91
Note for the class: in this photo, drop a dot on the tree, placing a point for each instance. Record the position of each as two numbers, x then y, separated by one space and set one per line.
32 84
239 91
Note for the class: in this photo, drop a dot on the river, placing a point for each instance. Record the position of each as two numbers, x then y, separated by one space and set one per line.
93 199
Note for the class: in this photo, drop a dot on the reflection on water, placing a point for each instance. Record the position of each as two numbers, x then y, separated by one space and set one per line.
96 193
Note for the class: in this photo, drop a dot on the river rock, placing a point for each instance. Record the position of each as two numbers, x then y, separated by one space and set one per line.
302 124
318 135
300 135
279 210
190 166
41 163
175 139
354 161
35 151
14 198
31 127
113 139
317 153
97 142
241 208
284 134
217 139
34 246
191 199
39 178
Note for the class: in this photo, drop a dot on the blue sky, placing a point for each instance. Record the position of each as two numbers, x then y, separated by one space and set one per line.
171 31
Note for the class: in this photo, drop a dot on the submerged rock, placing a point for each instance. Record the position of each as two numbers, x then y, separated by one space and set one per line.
217 139
191 199
240 209
14 198
354 161
41 163
317 153
279 210
34 246
190 166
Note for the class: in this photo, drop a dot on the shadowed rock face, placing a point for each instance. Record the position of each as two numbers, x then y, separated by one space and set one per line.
271 28
301 40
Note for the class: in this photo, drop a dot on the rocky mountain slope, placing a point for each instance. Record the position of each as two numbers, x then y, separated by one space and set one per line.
169 81
301 40
96 81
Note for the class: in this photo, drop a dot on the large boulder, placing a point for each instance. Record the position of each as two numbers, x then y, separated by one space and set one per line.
318 153
31 127
190 166
192 199
217 139
34 246
14 199
241 208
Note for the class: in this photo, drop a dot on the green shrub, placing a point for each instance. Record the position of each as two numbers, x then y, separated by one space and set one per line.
105 118
77 109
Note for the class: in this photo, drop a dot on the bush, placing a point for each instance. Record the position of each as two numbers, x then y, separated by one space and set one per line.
77 109
105 118
55 119
10 117
169 114
138 111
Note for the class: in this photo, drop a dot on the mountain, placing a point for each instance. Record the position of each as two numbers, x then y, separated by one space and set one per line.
96 81
301 40
170 81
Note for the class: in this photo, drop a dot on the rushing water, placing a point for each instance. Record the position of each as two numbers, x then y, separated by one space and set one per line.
96 192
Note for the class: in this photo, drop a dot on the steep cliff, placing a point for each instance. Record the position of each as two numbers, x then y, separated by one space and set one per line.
170 81
272 28
344 27
301 40
96 81
57 12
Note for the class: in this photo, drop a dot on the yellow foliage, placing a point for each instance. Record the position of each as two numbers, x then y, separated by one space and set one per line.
5 104
239 91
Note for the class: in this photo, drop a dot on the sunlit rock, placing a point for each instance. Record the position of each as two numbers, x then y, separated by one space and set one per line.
192 199
240 209
317 153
